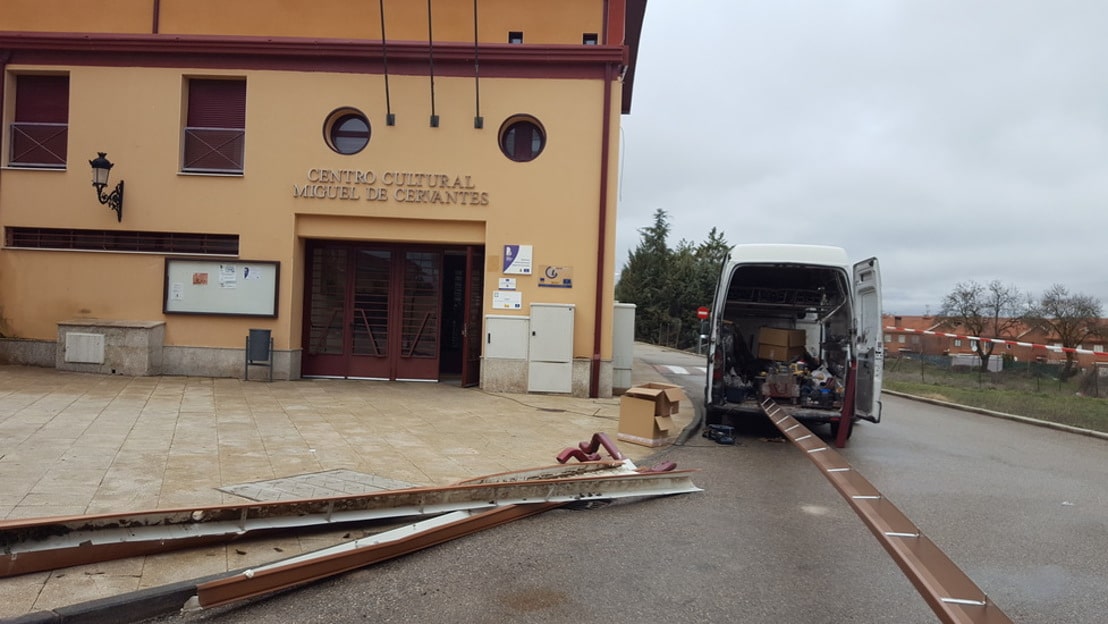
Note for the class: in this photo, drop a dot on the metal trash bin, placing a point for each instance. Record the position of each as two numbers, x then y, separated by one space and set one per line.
259 351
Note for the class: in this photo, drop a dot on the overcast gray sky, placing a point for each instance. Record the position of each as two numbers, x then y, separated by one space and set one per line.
952 139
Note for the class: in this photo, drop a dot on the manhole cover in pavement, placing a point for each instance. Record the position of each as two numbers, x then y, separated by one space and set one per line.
314 485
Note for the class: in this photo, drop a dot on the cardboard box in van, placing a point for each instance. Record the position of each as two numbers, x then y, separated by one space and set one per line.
771 289
782 337
780 345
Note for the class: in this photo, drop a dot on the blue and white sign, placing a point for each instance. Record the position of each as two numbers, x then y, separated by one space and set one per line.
556 277
507 300
517 259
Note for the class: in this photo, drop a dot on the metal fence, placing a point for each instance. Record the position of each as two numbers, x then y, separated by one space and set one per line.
1027 376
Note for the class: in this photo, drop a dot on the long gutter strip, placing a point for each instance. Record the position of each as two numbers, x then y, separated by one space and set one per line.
39 544
950 593
345 557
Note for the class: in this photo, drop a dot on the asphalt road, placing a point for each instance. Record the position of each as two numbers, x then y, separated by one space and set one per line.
1023 510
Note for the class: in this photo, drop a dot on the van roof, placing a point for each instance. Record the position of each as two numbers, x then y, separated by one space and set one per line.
788 253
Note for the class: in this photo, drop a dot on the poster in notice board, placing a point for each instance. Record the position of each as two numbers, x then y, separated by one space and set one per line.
225 287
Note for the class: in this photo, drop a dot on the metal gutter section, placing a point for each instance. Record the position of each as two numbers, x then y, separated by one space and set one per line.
342 558
38 544
345 557
601 236
950 593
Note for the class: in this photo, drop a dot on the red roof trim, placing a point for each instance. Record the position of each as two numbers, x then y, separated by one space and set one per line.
291 53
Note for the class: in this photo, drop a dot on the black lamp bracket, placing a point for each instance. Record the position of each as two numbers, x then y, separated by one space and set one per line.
114 200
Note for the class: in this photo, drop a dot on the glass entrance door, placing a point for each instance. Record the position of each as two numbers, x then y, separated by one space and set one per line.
369 329
372 312
419 279
326 312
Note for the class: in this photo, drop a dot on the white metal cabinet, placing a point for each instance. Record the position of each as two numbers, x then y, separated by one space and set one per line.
506 337
550 348
623 344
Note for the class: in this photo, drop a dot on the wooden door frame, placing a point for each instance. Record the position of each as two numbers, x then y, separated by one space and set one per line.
473 298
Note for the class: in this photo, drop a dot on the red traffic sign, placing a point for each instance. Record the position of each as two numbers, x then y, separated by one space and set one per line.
702 312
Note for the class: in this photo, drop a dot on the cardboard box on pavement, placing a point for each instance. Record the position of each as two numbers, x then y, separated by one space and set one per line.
645 414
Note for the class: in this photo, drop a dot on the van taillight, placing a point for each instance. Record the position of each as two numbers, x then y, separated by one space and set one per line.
717 365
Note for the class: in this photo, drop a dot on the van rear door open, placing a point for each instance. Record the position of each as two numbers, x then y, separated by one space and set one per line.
799 324
868 344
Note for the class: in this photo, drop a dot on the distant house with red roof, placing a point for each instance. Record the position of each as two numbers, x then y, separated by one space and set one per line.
925 335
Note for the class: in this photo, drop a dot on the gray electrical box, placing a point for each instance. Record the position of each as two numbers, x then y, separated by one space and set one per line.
506 337
623 345
550 348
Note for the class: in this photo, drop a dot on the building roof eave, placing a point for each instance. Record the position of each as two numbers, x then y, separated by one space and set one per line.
636 13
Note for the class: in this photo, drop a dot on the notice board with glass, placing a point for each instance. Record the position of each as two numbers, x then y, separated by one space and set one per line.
225 287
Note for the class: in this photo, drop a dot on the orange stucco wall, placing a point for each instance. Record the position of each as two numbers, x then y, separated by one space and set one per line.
452 20
136 114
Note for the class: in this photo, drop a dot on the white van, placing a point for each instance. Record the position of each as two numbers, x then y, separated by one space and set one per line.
798 324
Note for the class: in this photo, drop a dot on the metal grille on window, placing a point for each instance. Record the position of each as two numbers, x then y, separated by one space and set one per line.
371 303
420 331
328 295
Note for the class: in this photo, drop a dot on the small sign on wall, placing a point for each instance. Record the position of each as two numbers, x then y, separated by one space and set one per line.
556 277
517 259
507 300
507 283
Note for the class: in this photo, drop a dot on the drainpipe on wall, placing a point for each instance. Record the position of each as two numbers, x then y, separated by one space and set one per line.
601 235
5 56
157 16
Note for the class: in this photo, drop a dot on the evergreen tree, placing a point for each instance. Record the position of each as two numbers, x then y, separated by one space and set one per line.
642 280
668 285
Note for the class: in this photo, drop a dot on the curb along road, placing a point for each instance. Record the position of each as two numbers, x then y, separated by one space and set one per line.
1023 419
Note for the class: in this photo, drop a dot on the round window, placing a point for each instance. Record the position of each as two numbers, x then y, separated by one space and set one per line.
522 138
346 131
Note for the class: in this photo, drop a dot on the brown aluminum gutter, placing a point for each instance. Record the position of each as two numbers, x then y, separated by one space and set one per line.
343 558
38 544
601 235
950 593
5 56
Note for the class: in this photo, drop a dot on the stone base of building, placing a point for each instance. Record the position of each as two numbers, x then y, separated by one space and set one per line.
510 375
497 375
220 362
20 352
136 361
131 348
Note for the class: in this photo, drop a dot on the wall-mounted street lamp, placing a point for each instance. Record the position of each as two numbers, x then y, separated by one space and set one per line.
101 167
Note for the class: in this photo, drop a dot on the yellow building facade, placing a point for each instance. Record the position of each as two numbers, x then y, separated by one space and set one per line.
382 189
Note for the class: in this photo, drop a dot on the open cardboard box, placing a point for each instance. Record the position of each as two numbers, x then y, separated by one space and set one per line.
645 414
666 397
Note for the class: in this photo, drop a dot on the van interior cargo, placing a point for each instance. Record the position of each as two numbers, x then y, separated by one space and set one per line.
785 333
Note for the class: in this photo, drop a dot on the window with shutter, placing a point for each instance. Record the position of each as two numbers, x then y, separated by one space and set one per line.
215 126
40 126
